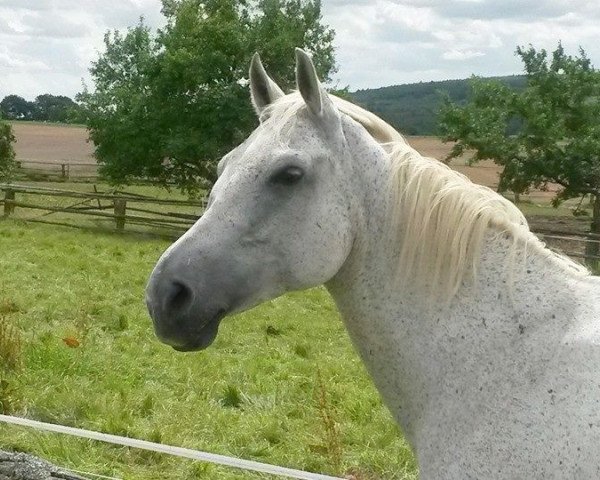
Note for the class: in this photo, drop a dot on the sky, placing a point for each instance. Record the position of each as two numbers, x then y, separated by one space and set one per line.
47 46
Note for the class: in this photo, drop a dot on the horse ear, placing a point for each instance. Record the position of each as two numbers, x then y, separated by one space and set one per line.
263 90
308 82
312 91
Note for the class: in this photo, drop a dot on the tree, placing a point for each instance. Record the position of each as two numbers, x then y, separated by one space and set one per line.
558 139
53 108
14 107
45 108
169 105
7 152
117 115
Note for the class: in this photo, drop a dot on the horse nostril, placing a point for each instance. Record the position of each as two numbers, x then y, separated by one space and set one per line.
179 297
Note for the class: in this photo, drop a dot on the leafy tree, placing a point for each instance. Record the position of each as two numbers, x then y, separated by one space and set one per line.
7 152
169 105
14 107
117 114
45 108
413 108
53 108
559 136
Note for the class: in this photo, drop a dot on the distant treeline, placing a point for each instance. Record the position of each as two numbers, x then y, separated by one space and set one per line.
45 108
412 109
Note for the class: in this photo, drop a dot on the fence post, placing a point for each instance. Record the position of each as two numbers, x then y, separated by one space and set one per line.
9 202
63 171
120 209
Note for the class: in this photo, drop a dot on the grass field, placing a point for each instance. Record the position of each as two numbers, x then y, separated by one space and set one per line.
281 385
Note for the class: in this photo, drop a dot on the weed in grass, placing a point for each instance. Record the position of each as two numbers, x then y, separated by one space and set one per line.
301 350
147 405
198 470
232 397
273 433
8 306
9 397
355 474
83 322
272 331
10 346
155 436
122 323
332 445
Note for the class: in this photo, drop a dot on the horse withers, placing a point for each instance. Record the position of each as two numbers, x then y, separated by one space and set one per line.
483 343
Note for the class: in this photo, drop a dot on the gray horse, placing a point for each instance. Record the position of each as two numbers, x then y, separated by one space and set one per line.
483 343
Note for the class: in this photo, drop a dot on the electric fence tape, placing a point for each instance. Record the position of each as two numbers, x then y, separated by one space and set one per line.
170 450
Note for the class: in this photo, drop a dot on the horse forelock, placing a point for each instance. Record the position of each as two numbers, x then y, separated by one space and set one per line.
439 217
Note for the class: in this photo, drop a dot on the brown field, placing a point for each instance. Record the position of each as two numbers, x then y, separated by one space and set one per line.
57 144
484 173
54 144
63 144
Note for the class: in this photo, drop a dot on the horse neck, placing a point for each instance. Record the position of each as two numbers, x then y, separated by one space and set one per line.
421 356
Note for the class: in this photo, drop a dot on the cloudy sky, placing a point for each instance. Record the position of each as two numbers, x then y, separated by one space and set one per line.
46 46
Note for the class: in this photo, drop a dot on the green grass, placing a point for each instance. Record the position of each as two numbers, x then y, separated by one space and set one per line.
546 209
280 385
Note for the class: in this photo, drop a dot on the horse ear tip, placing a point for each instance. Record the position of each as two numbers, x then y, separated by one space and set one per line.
301 54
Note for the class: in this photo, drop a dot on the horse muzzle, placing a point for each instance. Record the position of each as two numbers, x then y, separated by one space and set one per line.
184 317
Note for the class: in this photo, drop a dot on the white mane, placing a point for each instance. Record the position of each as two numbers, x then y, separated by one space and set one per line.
439 215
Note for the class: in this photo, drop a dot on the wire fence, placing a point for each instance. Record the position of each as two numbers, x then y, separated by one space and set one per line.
232 462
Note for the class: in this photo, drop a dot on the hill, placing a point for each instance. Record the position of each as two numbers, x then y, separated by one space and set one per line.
412 109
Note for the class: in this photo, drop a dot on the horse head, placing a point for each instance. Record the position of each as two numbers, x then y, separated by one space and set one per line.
279 217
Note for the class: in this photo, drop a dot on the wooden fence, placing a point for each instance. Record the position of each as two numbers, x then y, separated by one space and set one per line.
63 171
120 211
572 244
112 210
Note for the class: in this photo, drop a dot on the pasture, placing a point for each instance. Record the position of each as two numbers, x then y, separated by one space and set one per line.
281 385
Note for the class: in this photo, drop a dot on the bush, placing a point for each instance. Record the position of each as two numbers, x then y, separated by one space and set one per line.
7 152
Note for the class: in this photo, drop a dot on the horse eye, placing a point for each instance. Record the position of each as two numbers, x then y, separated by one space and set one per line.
288 176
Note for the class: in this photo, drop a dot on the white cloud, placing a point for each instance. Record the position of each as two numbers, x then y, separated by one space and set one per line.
14 62
402 41
48 45
459 55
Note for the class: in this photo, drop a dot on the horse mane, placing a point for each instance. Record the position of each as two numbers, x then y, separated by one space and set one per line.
441 216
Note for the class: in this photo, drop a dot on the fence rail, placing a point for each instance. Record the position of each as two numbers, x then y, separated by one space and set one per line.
234 462
170 217
121 209
64 170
